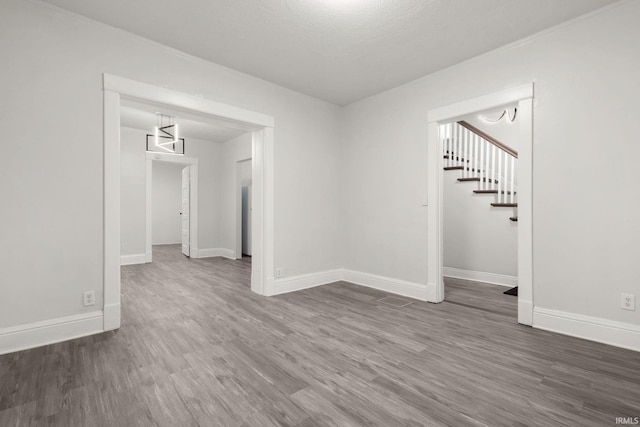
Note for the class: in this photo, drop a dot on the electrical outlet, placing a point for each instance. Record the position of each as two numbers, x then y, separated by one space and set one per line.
278 272
89 298
628 302
121 248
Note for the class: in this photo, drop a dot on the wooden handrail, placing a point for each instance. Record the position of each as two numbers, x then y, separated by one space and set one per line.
489 138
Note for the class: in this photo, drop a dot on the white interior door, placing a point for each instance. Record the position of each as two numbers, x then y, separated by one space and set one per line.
185 211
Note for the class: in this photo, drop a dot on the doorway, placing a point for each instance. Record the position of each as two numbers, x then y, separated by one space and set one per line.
523 97
188 215
480 221
260 126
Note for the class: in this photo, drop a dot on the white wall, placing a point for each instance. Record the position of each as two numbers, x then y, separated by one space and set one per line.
132 192
245 173
53 85
477 236
167 203
585 195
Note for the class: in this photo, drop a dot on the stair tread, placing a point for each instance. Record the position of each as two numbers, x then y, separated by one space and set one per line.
460 168
469 179
458 159
491 192
504 205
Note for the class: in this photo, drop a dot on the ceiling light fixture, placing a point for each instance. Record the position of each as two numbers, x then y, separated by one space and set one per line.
506 112
342 5
165 137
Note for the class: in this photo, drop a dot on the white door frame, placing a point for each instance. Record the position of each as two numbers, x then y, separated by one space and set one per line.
193 199
523 95
262 128
238 208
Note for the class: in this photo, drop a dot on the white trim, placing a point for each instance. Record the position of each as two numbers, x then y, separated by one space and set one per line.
260 125
172 158
133 259
111 282
619 334
262 222
387 284
525 310
111 316
24 337
435 203
149 93
525 211
304 281
523 95
481 276
215 252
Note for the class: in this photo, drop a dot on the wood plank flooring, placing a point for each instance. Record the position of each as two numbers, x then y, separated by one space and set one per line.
197 348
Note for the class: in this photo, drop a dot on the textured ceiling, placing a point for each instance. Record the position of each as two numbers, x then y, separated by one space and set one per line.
337 50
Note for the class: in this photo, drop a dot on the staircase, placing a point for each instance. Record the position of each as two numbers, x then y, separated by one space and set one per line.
483 160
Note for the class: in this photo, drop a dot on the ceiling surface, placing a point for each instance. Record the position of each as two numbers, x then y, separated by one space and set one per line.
337 50
141 116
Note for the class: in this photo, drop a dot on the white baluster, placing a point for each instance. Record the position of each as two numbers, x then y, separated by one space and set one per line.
513 177
464 154
472 142
456 139
476 157
445 132
456 128
443 140
453 144
493 166
505 174
498 171
469 154
486 164
480 161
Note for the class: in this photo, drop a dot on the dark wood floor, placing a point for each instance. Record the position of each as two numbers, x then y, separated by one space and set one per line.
196 347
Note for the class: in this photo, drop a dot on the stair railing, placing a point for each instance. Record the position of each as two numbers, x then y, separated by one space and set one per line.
479 155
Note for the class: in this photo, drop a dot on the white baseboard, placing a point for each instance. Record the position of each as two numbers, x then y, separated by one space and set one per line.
111 317
52 331
432 293
306 281
481 276
133 259
303 281
388 284
525 312
214 252
619 334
